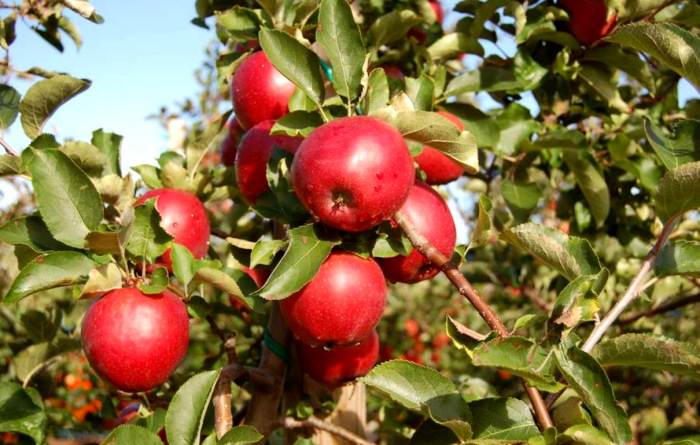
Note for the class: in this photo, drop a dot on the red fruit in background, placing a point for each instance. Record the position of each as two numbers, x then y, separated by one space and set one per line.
341 305
253 154
259 92
438 11
353 173
394 71
441 340
184 217
412 328
135 341
341 364
429 213
588 19
229 145
438 167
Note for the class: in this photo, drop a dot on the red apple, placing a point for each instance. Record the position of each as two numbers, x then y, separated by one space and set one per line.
184 217
353 173
253 154
341 305
229 145
341 364
588 19
429 213
135 341
394 71
438 167
259 91
438 10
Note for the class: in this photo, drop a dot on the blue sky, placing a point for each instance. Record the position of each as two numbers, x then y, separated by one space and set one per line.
142 57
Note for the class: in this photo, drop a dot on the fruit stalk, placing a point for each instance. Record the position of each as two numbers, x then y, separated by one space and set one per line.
466 289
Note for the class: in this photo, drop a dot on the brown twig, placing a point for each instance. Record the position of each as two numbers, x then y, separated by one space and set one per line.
468 291
685 301
221 399
8 148
315 422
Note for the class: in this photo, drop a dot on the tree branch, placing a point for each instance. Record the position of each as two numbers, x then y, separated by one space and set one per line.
315 422
8 148
685 301
466 289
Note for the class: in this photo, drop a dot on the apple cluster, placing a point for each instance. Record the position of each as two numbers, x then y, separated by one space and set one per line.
350 174
135 340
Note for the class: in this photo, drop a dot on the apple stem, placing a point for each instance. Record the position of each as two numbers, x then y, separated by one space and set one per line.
468 291
315 422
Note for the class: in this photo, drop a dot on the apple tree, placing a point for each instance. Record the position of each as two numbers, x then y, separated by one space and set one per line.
387 222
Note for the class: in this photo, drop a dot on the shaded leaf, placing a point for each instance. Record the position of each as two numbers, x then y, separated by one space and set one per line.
592 184
9 105
28 359
678 257
682 147
391 27
678 191
109 144
578 301
148 239
102 279
132 434
44 98
297 123
240 435
504 419
22 411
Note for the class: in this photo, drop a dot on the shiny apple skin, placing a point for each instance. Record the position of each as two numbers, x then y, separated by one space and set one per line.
253 154
135 341
341 305
431 216
588 20
184 217
339 365
353 173
437 166
229 145
259 92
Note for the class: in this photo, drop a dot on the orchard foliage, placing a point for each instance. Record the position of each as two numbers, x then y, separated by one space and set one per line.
576 210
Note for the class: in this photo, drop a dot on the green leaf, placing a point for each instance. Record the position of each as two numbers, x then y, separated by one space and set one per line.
68 201
678 191
377 93
391 27
32 232
675 47
308 249
44 98
599 79
682 147
150 175
158 282
578 301
484 128
86 156
431 433
132 434
521 357
585 435
148 239
409 384
240 435
570 412
502 419
297 123
587 377
436 131
10 165
22 411
9 105
264 252
679 257
592 184
647 351
521 196
71 31
453 45
420 91
183 264
241 23
109 144
340 36
185 416
221 280
41 326
295 61
48 272
569 255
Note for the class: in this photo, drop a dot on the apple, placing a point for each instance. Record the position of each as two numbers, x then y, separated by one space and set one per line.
133 340
588 19
259 92
394 71
227 152
341 305
253 154
341 364
437 166
438 10
184 217
428 212
353 173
